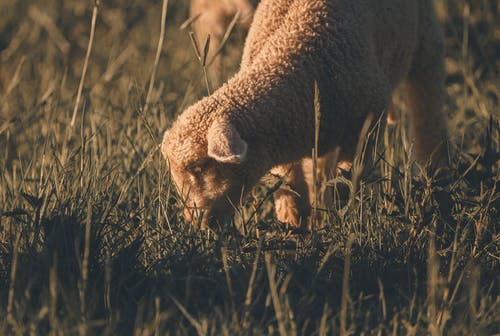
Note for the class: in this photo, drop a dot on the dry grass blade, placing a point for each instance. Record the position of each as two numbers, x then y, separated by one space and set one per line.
143 166
346 297
16 78
227 274
225 38
204 64
95 11
114 67
164 9
273 288
202 57
194 43
323 328
189 21
248 297
40 17
362 153
198 326
13 273
53 293
317 120
85 267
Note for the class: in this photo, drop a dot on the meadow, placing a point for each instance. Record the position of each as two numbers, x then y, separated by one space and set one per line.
92 238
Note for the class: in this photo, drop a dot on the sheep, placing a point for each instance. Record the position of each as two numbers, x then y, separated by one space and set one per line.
262 119
212 18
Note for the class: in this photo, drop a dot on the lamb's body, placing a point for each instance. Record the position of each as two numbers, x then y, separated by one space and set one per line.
357 51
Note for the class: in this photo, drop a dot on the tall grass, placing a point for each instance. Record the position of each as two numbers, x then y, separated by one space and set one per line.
92 240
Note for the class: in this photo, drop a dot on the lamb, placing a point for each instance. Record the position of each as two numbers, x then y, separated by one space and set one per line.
213 18
262 119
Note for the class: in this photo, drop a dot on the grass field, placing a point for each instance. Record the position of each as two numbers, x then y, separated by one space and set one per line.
92 241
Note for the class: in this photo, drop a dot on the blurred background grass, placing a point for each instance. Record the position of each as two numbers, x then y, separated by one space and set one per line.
91 240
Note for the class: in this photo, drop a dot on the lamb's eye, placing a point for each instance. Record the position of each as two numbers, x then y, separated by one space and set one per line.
195 169
198 167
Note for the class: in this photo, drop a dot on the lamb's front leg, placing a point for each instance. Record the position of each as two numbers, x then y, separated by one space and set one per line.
326 169
294 201
291 201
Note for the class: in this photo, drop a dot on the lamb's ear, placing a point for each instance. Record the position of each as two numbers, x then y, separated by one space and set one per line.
225 144
164 145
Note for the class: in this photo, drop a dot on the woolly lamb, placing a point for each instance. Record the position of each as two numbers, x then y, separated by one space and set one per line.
262 119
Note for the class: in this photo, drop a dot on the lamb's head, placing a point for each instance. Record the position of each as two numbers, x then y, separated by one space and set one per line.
208 167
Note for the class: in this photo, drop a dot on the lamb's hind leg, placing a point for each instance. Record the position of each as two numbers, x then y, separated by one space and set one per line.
428 126
425 94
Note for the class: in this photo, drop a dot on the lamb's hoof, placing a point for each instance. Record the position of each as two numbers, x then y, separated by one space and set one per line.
288 212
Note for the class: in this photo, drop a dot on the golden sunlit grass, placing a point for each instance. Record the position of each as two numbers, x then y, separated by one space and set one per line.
92 240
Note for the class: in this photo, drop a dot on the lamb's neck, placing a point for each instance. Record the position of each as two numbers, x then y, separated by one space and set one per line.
273 111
